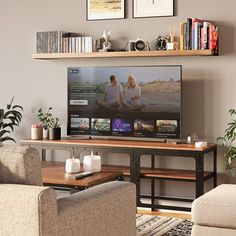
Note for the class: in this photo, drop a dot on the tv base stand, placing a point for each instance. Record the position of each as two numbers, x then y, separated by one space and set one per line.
135 150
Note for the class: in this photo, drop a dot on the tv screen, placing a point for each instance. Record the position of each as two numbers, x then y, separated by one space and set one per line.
138 102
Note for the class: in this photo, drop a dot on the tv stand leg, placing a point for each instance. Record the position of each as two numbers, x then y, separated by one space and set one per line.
135 174
44 155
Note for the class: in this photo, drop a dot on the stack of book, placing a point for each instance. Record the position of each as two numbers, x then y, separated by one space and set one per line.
62 42
197 34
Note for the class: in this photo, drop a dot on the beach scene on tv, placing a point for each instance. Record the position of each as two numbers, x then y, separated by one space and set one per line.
146 89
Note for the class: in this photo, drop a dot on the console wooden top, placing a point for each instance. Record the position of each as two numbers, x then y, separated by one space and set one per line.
118 144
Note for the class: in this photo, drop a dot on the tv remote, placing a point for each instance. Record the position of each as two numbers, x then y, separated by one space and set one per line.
83 174
78 175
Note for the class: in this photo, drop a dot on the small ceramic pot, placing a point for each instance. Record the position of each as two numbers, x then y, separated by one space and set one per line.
45 133
55 133
36 133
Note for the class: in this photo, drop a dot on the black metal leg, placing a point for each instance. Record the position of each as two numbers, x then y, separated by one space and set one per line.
199 175
215 168
43 154
135 174
152 184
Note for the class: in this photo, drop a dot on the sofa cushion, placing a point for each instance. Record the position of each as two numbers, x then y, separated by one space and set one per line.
216 208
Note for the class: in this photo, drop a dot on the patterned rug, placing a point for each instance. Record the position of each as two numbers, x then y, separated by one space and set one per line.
149 225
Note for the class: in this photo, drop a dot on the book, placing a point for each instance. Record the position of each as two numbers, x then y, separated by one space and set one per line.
206 35
195 23
185 36
189 34
181 38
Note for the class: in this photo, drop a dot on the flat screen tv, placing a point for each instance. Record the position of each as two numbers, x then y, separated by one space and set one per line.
129 102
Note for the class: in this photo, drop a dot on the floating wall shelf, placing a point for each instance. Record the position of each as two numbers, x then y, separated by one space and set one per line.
172 53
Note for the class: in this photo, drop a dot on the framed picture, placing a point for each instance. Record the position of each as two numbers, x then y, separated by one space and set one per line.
153 8
105 9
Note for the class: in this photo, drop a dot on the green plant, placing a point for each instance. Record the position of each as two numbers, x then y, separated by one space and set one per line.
9 118
55 123
45 117
228 139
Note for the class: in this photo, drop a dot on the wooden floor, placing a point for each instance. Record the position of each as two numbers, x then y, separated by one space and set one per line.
164 213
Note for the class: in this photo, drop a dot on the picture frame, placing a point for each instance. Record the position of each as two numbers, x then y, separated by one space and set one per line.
105 9
152 8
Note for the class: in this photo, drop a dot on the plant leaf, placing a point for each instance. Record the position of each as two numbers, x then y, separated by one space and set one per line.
7 138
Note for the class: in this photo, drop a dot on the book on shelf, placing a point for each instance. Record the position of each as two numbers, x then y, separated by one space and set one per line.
198 34
62 42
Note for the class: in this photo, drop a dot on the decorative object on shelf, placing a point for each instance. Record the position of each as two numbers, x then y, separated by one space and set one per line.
229 140
200 144
9 118
54 129
189 139
51 125
152 8
72 165
105 10
138 45
161 42
106 44
173 43
92 163
45 117
36 132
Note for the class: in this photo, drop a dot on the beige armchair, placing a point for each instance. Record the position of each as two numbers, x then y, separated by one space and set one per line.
26 208
214 212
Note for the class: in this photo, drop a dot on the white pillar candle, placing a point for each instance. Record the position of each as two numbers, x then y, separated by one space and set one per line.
72 166
92 163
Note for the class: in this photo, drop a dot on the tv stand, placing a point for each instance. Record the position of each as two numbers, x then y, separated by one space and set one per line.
136 149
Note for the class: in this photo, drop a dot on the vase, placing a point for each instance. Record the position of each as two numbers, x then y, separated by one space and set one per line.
45 133
55 133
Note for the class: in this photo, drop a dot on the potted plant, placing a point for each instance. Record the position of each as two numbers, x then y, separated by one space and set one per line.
54 129
45 117
9 118
228 140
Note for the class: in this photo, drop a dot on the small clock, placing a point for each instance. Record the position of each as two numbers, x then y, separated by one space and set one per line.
161 42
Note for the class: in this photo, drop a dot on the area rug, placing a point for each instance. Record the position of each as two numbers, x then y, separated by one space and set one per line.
149 225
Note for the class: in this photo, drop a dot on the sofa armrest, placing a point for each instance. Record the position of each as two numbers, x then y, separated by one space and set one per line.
20 165
27 210
107 209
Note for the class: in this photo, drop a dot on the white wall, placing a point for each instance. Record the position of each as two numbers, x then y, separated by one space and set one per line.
208 82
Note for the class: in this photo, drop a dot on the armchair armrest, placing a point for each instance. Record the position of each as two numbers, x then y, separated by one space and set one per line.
20 165
27 210
107 209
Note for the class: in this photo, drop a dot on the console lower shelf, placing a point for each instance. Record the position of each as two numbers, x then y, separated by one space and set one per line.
159 173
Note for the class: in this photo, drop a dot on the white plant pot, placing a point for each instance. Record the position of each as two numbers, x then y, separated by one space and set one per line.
72 166
92 163
45 133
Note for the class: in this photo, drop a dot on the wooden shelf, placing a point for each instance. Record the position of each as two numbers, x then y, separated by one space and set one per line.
173 53
160 173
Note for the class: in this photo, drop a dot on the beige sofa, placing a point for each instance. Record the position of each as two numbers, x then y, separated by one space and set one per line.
26 208
214 213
